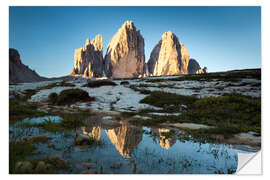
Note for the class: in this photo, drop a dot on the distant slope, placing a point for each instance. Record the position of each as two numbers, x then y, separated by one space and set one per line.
18 72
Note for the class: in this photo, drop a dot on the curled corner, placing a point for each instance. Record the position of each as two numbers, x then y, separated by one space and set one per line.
249 164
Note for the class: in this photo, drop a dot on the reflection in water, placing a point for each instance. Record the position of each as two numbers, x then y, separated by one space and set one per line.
94 132
125 138
92 129
165 140
160 151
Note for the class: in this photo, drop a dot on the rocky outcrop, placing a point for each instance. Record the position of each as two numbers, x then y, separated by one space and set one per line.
125 56
20 73
169 57
195 68
88 60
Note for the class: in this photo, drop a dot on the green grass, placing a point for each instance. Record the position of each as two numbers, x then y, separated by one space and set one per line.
168 101
68 122
50 126
229 114
70 96
19 109
99 83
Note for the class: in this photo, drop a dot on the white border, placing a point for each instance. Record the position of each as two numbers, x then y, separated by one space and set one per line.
4 73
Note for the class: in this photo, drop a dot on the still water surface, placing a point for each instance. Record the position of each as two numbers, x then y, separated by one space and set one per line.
129 149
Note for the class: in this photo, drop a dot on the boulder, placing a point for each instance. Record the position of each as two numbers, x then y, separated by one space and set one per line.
169 57
125 56
88 60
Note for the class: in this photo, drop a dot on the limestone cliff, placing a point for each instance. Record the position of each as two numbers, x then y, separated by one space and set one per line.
169 57
125 56
88 60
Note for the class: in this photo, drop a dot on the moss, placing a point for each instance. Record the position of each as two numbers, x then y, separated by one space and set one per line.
70 96
99 83
18 151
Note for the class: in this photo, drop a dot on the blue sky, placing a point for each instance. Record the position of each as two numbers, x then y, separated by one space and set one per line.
221 38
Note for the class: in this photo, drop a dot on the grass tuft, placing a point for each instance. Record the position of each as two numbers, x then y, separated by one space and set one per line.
70 96
99 83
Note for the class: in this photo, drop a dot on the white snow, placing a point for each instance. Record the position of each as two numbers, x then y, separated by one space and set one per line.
24 86
122 98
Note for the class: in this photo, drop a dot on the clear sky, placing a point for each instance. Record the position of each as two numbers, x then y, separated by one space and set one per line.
221 38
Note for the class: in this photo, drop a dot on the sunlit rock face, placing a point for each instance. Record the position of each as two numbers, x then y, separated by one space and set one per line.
88 60
169 57
18 72
125 56
125 138
195 68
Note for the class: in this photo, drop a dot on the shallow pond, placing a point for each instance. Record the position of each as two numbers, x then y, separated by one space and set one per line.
126 148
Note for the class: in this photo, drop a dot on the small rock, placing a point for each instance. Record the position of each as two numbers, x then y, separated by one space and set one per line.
41 166
38 138
89 172
24 166
87 165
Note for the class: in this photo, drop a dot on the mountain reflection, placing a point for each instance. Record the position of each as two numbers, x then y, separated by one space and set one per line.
125 138
92 129
165 140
